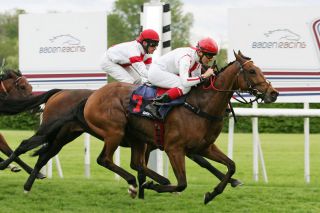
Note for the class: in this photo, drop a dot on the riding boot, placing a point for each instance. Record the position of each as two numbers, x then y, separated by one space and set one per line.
152 108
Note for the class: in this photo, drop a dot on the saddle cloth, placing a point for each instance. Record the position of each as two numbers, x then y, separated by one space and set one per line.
144 95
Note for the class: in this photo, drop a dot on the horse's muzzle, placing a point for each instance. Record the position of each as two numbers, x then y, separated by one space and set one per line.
271 97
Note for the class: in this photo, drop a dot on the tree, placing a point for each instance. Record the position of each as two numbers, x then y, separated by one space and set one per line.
124 22
222 58
9 44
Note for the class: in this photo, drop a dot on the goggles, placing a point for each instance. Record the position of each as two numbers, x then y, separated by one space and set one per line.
152 43
209 55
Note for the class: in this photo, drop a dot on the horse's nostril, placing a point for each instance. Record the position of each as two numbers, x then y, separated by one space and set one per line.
274 94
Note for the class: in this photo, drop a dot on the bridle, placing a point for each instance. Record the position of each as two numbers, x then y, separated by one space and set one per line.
251 86
5 90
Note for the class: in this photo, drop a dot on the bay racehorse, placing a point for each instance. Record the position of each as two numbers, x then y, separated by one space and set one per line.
189 129
13 86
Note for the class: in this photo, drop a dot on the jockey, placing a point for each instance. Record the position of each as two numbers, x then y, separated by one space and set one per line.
129 61
179 70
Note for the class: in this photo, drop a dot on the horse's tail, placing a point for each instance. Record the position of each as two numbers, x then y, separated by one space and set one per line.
15 106
49 131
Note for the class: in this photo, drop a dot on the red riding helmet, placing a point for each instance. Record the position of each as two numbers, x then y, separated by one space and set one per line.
148 34
208 45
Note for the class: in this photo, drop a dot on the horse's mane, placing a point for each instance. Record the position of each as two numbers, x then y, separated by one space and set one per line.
223 68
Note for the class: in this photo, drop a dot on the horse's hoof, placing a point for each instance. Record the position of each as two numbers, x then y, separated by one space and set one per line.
132 191
41 176
207 198
141 196
147 185
141 193
236 183
176 193
2 167
14 168
26 191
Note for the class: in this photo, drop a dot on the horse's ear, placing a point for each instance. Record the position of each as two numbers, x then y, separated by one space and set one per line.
18 72
236 55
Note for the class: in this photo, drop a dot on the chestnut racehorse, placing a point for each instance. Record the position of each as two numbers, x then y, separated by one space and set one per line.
189 129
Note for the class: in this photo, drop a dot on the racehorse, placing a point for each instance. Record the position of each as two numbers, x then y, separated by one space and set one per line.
13 86
105 113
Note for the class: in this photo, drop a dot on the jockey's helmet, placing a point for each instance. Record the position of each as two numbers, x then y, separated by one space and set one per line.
150 36
208 46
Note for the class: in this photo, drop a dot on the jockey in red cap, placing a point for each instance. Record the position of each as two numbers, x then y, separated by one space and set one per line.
179 70
129 61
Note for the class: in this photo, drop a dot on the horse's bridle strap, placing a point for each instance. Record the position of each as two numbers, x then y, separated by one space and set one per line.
201 113
3 87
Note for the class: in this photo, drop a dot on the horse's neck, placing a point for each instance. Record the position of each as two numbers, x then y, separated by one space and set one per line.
215 102
227 79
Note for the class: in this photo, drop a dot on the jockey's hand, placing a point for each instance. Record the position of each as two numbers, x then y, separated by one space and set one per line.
144 80
208 73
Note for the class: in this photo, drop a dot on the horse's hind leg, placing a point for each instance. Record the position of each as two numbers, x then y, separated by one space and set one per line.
105 159
213 153
201 161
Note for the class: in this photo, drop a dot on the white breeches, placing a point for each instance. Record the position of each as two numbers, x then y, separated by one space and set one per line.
165 79
122 74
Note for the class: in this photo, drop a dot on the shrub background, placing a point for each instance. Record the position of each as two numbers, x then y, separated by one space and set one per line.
29 121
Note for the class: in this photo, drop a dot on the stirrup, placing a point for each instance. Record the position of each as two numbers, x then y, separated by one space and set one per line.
153 110
164 98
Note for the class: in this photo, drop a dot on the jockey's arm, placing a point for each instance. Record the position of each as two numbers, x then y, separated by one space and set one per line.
140 68
184 67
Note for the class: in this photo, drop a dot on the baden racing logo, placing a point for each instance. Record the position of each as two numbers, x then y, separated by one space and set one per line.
280 38
63 44
316 32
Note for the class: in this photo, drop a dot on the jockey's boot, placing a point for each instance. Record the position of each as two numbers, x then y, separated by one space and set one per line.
152 108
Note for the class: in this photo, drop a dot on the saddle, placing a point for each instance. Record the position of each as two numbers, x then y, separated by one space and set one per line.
144 95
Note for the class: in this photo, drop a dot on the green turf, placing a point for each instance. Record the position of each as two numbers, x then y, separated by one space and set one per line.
285 192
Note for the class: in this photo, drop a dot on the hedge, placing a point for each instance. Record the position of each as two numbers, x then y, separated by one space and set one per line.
28 121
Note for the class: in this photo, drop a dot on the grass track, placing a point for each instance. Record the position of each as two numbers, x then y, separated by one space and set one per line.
285 192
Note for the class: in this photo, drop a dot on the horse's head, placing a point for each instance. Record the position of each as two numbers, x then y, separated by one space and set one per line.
251 79
14 85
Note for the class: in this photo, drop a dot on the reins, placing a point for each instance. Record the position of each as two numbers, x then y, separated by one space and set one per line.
251 89
251 86
4 87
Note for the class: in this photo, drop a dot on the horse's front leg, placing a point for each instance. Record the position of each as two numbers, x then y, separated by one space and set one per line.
201 161
4 147
105 159
138 152
25 146
177 161
213 153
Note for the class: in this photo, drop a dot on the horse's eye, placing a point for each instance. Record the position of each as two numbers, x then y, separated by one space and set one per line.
252 71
